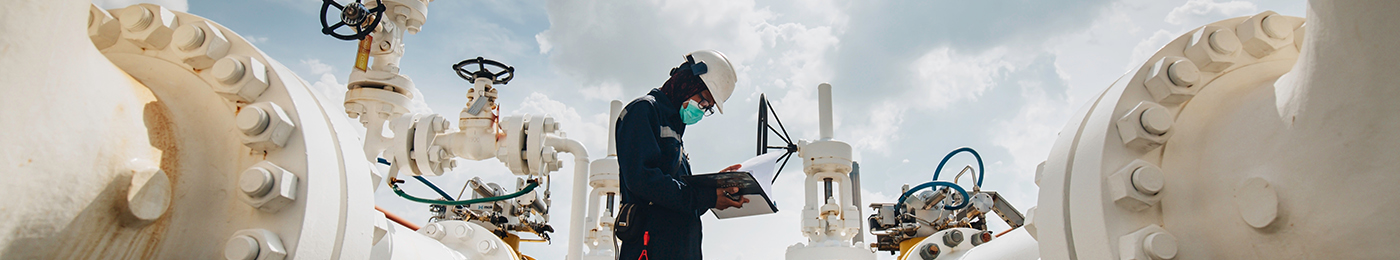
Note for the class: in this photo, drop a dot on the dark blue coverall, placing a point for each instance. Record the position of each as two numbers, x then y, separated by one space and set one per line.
652 160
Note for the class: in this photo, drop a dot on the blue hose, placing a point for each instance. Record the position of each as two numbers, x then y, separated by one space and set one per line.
981 171
900 204
435 188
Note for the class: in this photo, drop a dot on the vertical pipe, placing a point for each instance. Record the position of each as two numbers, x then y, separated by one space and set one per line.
613 111
827 181
763 125
612 197
855 199
824 100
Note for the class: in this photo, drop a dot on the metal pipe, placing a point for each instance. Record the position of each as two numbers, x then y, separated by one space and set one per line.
855 199
481 190
614 110
611 199
827 182
824 102
580 190
397 219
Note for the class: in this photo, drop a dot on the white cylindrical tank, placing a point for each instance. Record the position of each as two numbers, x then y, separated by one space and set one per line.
146 133
1260 137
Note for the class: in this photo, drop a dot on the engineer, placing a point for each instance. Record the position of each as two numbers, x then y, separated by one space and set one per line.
652 158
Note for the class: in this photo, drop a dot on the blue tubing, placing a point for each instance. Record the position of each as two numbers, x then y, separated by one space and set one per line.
966 199
435 188
981 171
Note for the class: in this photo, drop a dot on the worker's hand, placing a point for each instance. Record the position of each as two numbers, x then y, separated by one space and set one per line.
723 202
731 168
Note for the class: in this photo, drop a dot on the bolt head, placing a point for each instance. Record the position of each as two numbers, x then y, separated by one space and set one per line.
1170 80
1224 41
486 247
240 79
1148 180
1276 26
1124 191
228 70
462 231
275 134
188 37
136 18
1160 246
241 248
1142 130
1212 48
148 26
434 230
1266 32
251 120
1183 73
953 238
255 181
202 44
1156 120
281 192
266 245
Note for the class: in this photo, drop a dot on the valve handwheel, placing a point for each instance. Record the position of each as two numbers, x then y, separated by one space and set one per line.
498 78
354 15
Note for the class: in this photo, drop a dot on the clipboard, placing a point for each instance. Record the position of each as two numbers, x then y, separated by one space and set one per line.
749 187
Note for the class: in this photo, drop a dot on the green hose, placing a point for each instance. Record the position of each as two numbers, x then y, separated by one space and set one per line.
400 192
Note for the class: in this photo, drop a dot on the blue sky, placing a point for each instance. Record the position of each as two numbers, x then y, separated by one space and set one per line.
912 79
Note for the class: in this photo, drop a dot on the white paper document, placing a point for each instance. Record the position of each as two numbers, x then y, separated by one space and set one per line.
762 167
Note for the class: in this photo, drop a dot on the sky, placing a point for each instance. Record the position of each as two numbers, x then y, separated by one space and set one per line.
912 80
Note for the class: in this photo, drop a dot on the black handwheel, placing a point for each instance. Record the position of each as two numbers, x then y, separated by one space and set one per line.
498 78
362 20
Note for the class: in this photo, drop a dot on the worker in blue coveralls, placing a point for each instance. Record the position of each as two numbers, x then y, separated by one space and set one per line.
652 158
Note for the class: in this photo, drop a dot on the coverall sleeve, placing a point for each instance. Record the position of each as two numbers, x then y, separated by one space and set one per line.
640 160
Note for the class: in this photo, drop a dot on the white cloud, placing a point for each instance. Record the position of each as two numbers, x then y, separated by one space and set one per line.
173 5
943 77
328 87
1149 46
882 129
1200 11
256 39
1030 134
607 91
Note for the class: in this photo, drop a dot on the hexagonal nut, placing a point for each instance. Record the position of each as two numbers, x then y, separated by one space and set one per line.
1266 32
267 187
103 29
1133 127
1124 194
1213 48
254 244
148 26
1030 223
1148 243
238 78
201 44
1172 80
265 126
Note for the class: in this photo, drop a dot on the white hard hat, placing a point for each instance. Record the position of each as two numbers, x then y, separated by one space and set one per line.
714 69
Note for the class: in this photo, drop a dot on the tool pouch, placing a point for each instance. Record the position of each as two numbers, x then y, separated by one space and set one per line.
631 219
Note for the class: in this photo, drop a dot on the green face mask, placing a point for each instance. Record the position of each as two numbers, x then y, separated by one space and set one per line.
691 112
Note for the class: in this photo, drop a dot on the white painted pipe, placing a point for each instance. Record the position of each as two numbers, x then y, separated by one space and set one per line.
580 189
824 101
613 112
